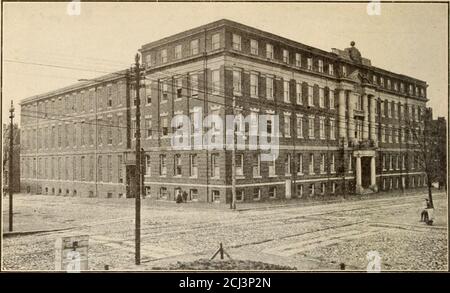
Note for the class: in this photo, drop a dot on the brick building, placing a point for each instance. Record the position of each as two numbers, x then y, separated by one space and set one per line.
345 125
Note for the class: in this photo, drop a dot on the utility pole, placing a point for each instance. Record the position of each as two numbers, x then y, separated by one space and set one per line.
138 164
233 161
11 150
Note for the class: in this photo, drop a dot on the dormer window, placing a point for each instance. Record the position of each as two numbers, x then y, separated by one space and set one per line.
344 71
194 47
382 81
164 56
320 63
330 69
236 42
310 63
374 79
269 51
178 52
298 60
285 56
389 84
254 47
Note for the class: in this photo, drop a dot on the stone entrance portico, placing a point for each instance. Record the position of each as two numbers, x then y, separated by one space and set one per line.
361 169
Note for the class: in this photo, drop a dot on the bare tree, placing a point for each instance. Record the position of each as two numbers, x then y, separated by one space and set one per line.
421 133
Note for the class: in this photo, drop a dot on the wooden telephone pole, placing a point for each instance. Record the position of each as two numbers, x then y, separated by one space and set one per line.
138 164
11 150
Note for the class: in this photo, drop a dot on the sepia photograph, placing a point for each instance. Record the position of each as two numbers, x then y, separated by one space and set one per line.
224 137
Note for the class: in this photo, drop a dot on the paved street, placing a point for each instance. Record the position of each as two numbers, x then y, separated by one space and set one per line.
304 236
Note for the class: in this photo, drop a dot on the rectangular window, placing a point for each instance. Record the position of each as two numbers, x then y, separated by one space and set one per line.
215 168
331 99
299 164
177 165
109 166
193 167
286 92
310 63
237 82
119 168
269 51
179 88
298 60
332 129
164 56
299 126
109 133
119 129
239 165
287 165
322 127
254 85
148 127
215 82
257 165
269 88
300 190
272 168
236 42
330 69
256 193
178 52
310 96
311 127
298 90
239 195
272 191
162 165
322 163
320 63
332 164
165 126
311 164
194 84
344 71
215 41
148 166
285 56
99 168
321 97
194 47
254 47
287 125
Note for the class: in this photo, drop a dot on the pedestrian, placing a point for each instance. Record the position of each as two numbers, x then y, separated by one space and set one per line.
424 215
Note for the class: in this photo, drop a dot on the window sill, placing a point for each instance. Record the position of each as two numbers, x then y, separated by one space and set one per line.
193 177
215 177
177 176
257 177
240 177
162 176
300 174
177 100
273 176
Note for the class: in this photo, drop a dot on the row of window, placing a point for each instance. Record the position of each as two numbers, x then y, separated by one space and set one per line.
391 109
75 134
326 163
399 162
107 97
66 168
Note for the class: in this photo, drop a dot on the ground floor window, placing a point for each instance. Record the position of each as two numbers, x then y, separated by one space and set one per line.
323 188
272 192
256 193
147 190
333 187
311 189
193 194
239 195
163 193
300 191
216 196
109 195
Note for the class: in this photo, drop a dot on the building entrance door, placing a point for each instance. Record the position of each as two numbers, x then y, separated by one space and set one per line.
365 172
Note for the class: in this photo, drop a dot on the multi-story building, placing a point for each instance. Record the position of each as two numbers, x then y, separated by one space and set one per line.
345 126
75 140
437 147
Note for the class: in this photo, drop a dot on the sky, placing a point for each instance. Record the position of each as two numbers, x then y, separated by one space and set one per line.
405 38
